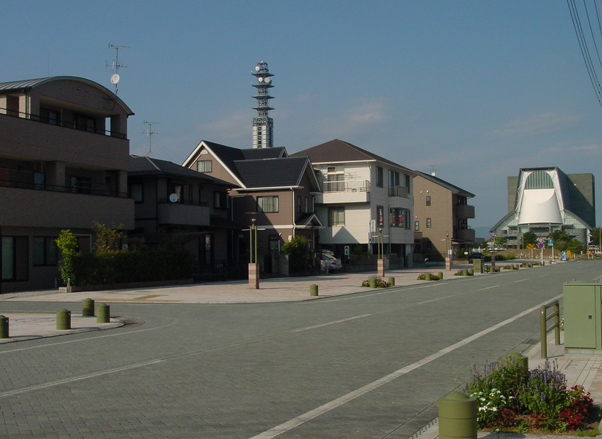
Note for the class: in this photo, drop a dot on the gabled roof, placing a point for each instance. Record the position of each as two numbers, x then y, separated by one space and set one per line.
309 219
28 84
283 172
151 166
454 189
340 151
264 153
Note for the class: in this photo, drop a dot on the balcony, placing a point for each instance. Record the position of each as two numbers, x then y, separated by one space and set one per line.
180 214
59 209
464 211
347 191
465 235
399 191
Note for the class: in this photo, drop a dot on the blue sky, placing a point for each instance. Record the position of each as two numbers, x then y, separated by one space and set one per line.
472 89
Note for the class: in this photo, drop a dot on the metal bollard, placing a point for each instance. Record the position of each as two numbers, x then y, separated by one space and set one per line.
103 314
458 417
313 290
440 274
427 276
3 326
88 308
372 282
63 319
391 281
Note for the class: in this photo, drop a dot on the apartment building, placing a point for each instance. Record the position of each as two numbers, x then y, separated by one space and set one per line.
64 157
441 214
364 195
271 188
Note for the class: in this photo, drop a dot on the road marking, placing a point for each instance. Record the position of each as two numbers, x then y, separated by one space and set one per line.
308 416
75 379
521 280
488 288
330 323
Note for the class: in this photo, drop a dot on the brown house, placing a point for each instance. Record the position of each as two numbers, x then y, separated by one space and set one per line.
64 156
274 189
441 214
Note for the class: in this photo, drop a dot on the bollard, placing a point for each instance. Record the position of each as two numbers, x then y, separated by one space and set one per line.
103 314
440 274
372 282
3 326
88 308
63 319
458 417
427 276
391 281
464 272
313 290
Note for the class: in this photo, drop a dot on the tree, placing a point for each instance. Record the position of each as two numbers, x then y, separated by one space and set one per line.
500 242
596 237
561 240
67 244
298 251
529 238
107 239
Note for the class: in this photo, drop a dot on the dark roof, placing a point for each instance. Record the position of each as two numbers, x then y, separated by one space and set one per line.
340 151
227 154
286 171
264 153
455 189
28 84
151 166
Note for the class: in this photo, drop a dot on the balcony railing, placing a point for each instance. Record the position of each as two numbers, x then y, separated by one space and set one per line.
347 186
99 190
72 125
399 191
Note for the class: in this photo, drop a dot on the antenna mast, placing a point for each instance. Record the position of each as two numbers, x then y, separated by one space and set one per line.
149 133
115 65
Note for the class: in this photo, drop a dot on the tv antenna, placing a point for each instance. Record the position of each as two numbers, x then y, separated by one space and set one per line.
115 65
149 133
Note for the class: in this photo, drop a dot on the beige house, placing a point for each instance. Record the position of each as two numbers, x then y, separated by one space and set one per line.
364 195
275 190
64 156
441 214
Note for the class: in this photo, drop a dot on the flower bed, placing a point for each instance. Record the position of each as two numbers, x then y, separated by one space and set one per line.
513 399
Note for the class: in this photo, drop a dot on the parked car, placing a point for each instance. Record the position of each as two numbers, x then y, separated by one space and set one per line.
475 255
331 264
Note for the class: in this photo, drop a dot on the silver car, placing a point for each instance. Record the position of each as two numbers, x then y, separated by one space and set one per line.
331 264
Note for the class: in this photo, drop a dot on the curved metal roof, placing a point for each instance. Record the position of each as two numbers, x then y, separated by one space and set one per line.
31 83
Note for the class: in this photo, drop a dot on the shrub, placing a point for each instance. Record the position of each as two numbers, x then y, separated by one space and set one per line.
424 276
298 251
380 283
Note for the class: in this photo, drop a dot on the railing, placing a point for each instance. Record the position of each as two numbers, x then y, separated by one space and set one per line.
72 125
99 190
398 191
543 323
347 186
186 202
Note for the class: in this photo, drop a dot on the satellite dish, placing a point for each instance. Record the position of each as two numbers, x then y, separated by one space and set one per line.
115 79
173 198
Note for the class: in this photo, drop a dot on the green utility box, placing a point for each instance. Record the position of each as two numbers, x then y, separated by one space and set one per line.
582 316
477 265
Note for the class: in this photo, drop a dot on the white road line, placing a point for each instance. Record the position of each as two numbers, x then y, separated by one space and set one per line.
299 420
488 288
521 280
330 323
75 379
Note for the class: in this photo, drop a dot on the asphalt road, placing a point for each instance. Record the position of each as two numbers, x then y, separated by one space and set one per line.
367 365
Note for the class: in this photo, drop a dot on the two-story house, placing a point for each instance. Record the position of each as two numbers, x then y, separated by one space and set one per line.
364 195
177 203
275 190
441 214
64 157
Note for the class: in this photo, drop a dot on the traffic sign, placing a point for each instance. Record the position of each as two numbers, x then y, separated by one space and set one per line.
540 245
541 240
529 246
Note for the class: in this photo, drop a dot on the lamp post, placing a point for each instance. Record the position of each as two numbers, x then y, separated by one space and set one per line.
380 263
493 252
253 260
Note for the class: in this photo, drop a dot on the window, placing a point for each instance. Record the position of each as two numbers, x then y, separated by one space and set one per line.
204 166
81 185
416 226
298 203
267 204
380 216
45 251
428 200
428 223
136 192
220 200
177 189
400 218
39 180
306 204
335 180
379 176
274 241
393 178
8 258
336 216
50 116
84 123
15 259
